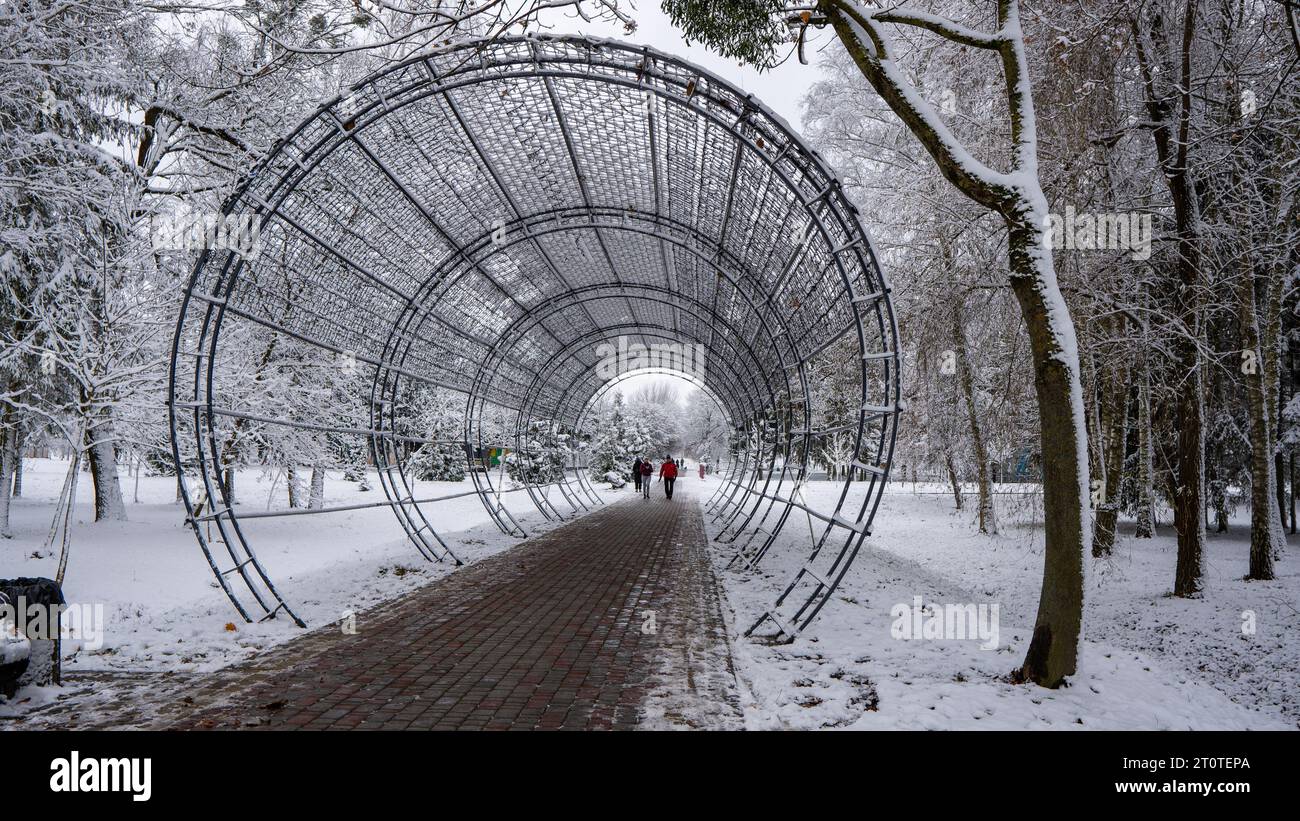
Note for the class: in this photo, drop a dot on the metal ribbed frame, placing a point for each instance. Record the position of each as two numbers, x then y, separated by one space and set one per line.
480 218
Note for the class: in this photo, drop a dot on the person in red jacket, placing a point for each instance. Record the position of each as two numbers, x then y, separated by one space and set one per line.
668 474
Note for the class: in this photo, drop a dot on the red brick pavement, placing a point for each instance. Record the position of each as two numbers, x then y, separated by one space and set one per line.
547 635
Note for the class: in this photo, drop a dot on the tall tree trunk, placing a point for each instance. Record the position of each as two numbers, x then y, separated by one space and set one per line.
1279 474
18 445
1265 513
1291 496
1146 514
1190 494
6 474
102 456
1271 344
317 498
1168 86
954 480
1261 367
1052 653
965 375
1113 425
294 485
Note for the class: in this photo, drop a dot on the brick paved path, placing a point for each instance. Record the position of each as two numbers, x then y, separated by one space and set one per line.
546 635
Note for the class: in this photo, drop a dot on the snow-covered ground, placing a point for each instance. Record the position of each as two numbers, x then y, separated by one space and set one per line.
161 605
1150 661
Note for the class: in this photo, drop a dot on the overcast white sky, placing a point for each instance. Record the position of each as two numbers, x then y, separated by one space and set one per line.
780 89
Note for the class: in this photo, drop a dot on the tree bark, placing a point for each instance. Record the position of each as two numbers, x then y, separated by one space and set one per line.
965 375
294 485
1279 474
6 473
1261 353
1169 106
1291 496
1189 490
1271 344
317 498
102 456
18 445
1265 514
1146 515
1054 646
953 480
1113 425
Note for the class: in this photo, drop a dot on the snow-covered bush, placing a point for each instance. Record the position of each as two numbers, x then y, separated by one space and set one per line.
437 414
437 463
618 442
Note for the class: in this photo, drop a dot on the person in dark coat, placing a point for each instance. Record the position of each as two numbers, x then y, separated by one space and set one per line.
647 473
636 472
668 475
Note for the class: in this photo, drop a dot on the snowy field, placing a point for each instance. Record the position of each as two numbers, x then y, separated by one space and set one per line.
1150 661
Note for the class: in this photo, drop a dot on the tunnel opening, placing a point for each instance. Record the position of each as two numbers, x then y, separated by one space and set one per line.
480 227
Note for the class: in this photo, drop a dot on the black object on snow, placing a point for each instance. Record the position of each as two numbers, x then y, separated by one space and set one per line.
32 590
43 665
13 669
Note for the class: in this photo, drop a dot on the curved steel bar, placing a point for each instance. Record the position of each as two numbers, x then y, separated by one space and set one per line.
644 329
632 192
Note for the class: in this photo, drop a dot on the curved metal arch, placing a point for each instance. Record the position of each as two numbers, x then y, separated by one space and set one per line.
734 343
594 400
737 281
668 297
477 395
643 329
577 426
774 394
515 334
407 250
527 232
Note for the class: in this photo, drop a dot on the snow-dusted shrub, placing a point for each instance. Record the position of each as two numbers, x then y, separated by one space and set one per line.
437 463
543 456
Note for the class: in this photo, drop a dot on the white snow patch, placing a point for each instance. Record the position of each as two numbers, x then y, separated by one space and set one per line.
1149 661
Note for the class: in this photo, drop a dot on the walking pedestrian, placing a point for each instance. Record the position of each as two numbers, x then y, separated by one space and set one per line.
647 473
636 473
668 474
701 470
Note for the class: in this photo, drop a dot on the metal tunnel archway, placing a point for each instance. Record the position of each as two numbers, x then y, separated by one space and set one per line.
481 219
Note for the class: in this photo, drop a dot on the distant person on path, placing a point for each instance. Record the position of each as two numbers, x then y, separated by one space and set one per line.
668 473
647 473
636 472
701 470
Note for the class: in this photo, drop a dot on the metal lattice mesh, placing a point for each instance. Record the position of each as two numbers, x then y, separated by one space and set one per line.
483 218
